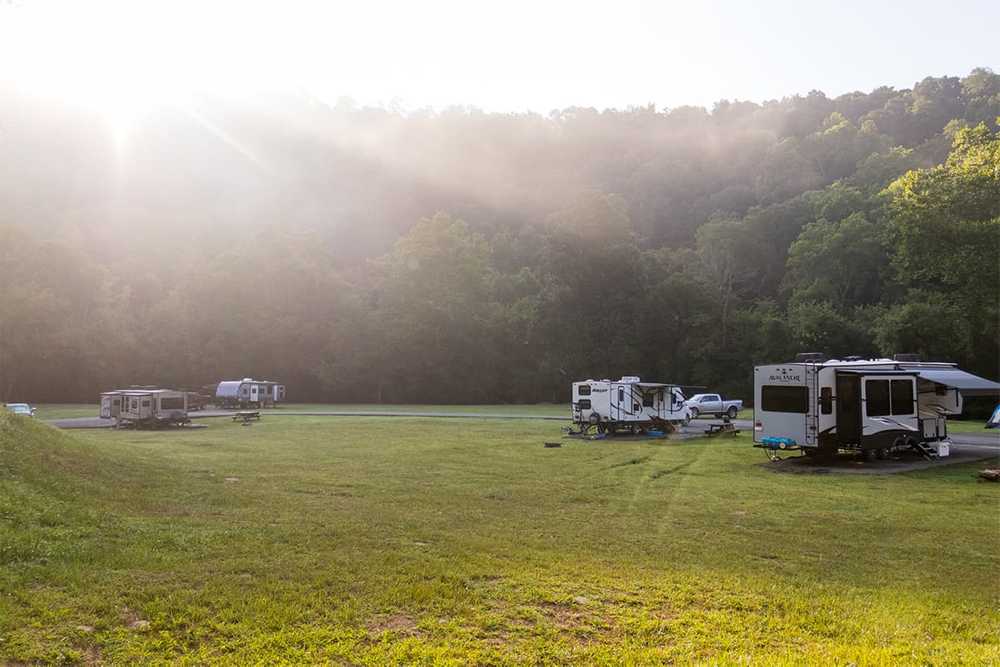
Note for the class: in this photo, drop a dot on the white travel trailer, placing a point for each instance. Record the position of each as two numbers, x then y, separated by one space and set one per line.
249 393
628 404
870 405
145 407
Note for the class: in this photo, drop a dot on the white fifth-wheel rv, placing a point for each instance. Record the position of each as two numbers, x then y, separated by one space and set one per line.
145 407
628 404
874 406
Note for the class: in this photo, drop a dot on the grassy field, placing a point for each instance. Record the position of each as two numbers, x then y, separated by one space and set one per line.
69 410
547 409
368 540
66 410
970 426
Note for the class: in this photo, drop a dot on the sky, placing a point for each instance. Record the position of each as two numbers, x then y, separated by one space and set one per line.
506 56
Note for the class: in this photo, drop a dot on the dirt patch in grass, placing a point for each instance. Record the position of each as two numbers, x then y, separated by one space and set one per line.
133 620
564 616
399 624
92 656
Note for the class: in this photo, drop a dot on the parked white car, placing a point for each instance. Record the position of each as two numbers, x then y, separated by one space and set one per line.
20 409
712 404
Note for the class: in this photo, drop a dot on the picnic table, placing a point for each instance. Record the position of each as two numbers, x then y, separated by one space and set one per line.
247 416
719 429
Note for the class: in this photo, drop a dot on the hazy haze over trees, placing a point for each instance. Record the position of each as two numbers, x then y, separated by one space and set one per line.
364 254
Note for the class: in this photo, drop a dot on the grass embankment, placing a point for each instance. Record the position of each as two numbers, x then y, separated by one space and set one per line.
373 540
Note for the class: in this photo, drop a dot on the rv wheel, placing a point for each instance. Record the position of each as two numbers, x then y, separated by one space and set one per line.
882 454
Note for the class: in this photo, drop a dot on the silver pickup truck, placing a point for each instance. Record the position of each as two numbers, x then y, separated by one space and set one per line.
712 404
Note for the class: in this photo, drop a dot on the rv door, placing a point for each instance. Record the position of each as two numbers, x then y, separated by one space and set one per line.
848 400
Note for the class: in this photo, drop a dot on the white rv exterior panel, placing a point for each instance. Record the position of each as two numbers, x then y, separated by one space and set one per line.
781 402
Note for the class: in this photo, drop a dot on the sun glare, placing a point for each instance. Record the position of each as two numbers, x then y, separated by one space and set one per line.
123 59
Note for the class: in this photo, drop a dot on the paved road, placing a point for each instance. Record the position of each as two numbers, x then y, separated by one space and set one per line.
978 441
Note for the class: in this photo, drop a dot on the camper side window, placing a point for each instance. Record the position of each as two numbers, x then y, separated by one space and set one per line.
778 398
583 390
826 400
877 398
902 397
145 402
583 404
175 403
647 400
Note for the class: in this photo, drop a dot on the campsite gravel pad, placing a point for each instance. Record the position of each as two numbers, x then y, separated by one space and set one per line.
845 464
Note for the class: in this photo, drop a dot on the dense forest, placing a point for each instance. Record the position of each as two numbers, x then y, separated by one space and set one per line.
371 254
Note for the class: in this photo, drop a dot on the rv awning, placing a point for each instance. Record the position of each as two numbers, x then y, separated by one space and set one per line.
967 383
652 385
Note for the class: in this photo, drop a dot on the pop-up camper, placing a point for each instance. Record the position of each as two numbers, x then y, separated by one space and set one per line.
870 405
627 404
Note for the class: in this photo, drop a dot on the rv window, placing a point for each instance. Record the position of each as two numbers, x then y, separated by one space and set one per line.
145 402
902 397
583 404
176 403
621 394
778 398
877 398
583 390
826 400
647 400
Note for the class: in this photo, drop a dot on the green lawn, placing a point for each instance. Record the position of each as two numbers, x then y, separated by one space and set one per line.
548 409
368 540
970 426
66 410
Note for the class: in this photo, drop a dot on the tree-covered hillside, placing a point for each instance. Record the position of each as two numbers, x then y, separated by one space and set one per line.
366 254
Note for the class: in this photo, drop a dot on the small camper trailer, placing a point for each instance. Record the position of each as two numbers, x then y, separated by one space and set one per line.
145 407
628 404
249 393
874 406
